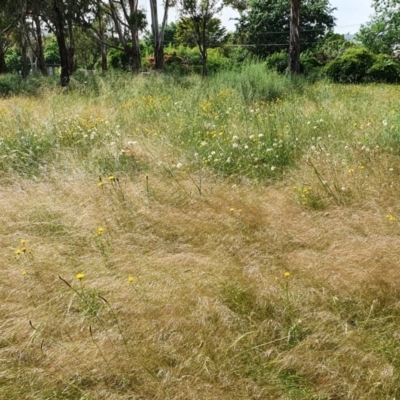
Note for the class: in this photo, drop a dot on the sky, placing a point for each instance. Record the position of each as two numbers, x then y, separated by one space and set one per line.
350 15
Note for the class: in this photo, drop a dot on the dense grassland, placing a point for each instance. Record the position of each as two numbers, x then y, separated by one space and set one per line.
177 238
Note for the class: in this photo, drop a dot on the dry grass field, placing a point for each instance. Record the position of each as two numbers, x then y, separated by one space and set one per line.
172 239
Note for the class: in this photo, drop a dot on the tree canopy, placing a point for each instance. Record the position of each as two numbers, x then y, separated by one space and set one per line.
265 26
382 32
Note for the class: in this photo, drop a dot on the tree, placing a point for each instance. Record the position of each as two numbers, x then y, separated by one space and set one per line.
198 14
60 17
158 32
128 20
12 23
217 34
265 26
382 33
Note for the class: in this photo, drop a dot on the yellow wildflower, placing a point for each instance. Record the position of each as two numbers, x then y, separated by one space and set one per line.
131 279
287 274
18 252
351 170
22 241
100 231
79 276
391 217
23 272
111 177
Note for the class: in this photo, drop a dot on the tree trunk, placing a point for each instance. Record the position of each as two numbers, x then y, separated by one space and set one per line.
159 57
204 64
24 50
3 66
58 21
203 48
71 48
294 51
103 48
135 60
40 52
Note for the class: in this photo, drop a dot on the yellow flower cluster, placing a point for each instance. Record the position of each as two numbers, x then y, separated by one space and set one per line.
391 217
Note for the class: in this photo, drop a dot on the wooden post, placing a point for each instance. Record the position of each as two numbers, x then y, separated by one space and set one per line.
294 50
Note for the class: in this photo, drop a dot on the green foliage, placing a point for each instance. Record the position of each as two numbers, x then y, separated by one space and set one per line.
381 33
169 36
357 64
261 150
138 19
51 51
13 60
117 59
384 69
9 84
25 152
12 84
266 25
310 65
278 61
87 50
330 46
186 35
377 36
184 60
351 66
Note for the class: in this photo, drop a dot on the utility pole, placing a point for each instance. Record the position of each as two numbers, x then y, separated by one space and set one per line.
294 49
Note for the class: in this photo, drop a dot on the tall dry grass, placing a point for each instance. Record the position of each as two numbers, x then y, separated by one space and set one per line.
135 267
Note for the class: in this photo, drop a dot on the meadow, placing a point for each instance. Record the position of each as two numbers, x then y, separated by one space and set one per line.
235 237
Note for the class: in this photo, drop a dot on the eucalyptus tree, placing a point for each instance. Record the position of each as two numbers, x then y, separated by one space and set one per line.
217 34
128 21
197 15
7 23
159 31
11 15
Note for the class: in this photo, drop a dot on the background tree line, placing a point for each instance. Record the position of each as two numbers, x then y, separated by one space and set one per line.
289 34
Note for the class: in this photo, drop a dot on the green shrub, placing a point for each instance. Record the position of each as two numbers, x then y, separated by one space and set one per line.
255 83
384 69
51 51
351 66
117 59
12 84
13 60
9 84
278 62
310 66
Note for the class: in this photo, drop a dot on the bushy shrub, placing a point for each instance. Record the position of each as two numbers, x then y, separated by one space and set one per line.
278 62
310 66
255 83
51 51
351 66
13 60
183 59
117 59
384 69
9 84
